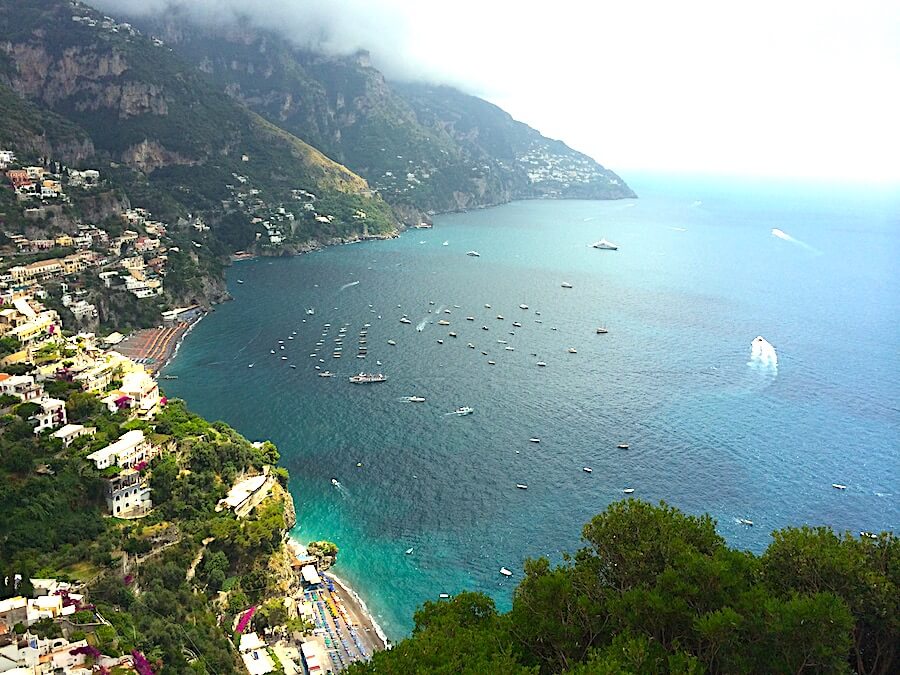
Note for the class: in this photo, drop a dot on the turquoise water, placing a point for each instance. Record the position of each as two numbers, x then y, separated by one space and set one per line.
697 277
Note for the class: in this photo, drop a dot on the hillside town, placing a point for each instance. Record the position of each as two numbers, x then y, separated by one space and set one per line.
53 625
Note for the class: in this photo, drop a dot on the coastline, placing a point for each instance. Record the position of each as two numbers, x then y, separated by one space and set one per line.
352 597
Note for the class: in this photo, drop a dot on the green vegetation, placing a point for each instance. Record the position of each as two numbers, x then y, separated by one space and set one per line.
176 559
658 591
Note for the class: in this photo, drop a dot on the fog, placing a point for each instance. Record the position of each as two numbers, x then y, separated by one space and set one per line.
803 89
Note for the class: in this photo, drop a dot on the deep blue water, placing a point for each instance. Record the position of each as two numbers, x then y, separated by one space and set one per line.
698 275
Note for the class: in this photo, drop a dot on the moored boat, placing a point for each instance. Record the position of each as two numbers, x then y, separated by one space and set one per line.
605 245
368 378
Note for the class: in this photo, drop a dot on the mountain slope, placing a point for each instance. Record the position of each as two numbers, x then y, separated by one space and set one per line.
168 132
423 148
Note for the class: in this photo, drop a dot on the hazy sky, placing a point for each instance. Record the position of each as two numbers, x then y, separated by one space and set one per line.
807 89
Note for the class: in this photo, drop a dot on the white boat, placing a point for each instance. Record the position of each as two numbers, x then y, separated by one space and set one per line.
572 350
510 349
325 373
463 410
392 342
602 331
470 346
447 311
470 318
523 306
240 281
335 482
505 572
502 342
473 254
443 322
516 324
838 486
250 365
541 364
500 316
534 440
452 334
409 551
367 378
492 363
444 596
440 342
284 358
628 491
521 486
487 306
587 469
605 245
566 284
403 319
310 311
446 243
623 446
485 328
416 399
745 521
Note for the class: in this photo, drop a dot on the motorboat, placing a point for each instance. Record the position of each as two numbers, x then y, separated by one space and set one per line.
838 486
492 363
502 342
487 306
505 572
444 596
516 324
623 446
572 350
440 342
602 331
403 319
628 491
605 245
482 328
566 284
470 318
521 486
470 345
534 440
587 469
443 322
250 365
367 378
463 410
500 317
409 551
523 306
745 521
326 373
541 364
416 399
473 254
392 342
452 334
310 311
510 349
336 482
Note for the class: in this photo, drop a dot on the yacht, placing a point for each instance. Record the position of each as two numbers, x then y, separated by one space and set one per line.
444 596
366 378
473 254
310 311
250 365
745 521
440 342
335 482
403 319
534 440
505 572
443 322
602 331
500 316
416 399
510 349
566 284
452 334
572 350
623 446
470 345
326 373
392 342
516 324
628 491
521 486
470 318
409 551
240 281
838 486
541 364
587 469
464 410
523 306
482 328
487 306
492 363
605 245
502 342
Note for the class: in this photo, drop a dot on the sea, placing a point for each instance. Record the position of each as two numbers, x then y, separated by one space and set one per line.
421 501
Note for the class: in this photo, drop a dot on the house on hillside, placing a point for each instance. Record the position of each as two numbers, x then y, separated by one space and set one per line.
133 447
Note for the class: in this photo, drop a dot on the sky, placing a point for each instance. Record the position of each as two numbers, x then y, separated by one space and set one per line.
797 89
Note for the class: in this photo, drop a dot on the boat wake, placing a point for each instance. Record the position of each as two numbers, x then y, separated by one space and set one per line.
421 325
784 236
352 283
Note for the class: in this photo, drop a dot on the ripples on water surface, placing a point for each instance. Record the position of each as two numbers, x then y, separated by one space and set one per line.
691 286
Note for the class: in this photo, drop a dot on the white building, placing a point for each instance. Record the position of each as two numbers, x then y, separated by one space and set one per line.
130 449
51 415
128 495
70 432
255 656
